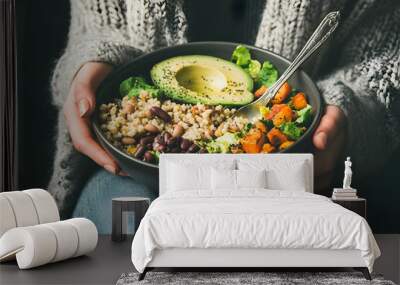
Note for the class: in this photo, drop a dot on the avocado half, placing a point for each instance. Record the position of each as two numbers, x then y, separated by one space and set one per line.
203 79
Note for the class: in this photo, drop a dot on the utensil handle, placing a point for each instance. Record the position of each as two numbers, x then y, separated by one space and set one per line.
320 35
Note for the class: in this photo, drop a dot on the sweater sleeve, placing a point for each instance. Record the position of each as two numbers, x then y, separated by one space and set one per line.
97 34
366 86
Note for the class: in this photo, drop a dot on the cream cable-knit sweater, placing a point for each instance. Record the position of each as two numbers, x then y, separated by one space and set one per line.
361 66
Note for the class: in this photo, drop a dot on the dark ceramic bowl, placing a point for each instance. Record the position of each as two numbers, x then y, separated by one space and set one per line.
140 66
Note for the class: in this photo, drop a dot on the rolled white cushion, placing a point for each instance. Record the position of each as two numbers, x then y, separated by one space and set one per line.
7 218
45 205
66 238
23 208
87 235
37 245
33 246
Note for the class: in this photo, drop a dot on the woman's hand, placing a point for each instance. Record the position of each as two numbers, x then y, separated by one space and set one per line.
79 106
328 139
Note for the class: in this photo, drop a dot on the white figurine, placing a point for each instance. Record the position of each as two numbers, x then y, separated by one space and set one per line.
348 173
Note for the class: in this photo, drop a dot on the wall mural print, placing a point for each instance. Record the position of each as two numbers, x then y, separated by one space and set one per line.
181 133
106 87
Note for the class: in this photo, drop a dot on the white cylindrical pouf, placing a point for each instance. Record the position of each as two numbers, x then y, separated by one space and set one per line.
34 246
67 239
87 234
45 205
23 208
37 245
7 218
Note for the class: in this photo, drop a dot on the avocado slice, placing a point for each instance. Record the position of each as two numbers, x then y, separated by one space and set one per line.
203 79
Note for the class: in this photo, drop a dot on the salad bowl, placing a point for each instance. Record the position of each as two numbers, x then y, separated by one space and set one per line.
108 91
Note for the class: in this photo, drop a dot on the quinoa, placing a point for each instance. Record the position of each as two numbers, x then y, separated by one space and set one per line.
124 122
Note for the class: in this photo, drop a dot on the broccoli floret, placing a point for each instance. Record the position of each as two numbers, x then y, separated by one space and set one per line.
132 86
254 69
304 116
241 56
268 74
291 130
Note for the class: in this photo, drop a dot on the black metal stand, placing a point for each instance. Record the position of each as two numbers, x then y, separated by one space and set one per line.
143 274
364 271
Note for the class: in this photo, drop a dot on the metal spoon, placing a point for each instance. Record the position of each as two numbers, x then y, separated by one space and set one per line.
320 35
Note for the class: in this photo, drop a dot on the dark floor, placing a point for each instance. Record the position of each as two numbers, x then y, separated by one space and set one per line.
110 260
103 266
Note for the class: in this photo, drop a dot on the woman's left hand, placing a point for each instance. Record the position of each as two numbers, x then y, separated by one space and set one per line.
329 141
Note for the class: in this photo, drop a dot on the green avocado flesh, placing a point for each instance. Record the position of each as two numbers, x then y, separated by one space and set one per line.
203 79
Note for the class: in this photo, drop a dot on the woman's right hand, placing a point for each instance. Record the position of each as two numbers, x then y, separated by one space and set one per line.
78 108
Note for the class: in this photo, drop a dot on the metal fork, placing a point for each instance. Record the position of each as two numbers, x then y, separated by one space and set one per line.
320 35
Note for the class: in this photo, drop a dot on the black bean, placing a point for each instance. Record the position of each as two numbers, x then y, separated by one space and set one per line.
159 139
185 144
167 135
146 140
157 111
193 148
148 156
140 151
175 150
191 144
171 142
159 147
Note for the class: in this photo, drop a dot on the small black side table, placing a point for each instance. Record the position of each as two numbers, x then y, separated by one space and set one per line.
358 205
120 207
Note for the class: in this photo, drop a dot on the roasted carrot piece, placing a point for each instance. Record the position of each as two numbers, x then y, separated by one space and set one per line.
260 91
278 119
284 115
253 134
275 109
260 125
253 141
252 147
299 101
268 148
282 94
285 145
276 137
287 113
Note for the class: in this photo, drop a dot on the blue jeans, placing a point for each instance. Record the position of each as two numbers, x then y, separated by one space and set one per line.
95 200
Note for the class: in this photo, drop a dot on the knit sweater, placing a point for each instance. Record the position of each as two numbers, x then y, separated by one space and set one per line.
358 69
